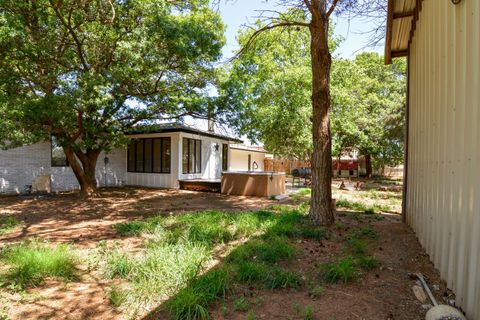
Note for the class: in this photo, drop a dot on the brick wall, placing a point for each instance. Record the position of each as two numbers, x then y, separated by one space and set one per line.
20 166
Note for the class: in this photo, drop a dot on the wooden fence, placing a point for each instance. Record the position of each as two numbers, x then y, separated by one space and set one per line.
285 165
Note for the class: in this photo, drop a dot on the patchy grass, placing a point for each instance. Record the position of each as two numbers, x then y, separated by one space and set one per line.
272 277
9 224
361 207
29 263
342 270
177 249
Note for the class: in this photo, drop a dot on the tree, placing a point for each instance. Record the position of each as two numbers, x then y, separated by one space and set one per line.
269 87
315 16
382 118
87 71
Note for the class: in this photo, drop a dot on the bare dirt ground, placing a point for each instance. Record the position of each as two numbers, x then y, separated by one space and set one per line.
385 293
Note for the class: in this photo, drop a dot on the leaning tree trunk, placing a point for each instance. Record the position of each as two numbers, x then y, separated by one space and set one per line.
321 209
84 170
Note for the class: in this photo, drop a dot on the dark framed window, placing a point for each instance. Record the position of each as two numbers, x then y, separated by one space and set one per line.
149 155
58 157
225 157
191 156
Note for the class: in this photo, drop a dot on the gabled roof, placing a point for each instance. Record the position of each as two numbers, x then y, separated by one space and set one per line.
175 127
401 21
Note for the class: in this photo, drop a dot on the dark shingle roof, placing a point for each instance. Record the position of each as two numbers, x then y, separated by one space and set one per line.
175 127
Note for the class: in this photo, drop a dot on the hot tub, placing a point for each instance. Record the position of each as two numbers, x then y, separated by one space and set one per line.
251 183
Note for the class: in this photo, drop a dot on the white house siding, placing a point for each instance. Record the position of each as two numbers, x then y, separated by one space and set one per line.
211 162
211 158
20 166
158 180
238 160
443 189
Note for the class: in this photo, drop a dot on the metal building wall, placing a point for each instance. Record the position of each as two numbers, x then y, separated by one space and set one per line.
443 192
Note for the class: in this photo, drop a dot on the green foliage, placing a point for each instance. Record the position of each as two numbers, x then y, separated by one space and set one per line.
357 246
269 275
240 304
192 301
129 228
316 291
307 313
342 270
8 224
251 316
116 296
272 250
29 263
365 232
367 262
87 71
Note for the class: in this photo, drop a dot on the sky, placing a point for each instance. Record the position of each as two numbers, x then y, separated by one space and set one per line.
238 13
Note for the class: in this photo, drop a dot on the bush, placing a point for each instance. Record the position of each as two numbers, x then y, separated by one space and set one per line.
31 262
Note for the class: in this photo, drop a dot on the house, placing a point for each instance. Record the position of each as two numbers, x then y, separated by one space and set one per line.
159 156
247 158
441 40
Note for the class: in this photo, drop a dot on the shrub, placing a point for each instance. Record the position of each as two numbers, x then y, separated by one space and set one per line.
342 270
31 262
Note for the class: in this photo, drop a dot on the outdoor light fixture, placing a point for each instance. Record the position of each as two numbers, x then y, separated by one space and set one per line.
216 146
456 1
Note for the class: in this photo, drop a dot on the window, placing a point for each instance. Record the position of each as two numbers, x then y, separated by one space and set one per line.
58 157
351 172
225 157
149 155
192 156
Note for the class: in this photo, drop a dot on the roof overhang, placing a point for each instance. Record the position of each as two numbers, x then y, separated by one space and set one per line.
401 21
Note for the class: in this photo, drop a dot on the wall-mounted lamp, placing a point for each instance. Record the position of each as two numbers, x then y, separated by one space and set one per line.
216 146
456 1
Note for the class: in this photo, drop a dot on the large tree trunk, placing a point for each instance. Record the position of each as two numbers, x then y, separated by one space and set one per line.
84 170
321 209
368 166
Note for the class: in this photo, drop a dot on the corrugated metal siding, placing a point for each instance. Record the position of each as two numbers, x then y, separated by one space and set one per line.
443 197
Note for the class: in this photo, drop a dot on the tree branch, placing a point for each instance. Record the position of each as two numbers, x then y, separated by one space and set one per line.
258 32
332 8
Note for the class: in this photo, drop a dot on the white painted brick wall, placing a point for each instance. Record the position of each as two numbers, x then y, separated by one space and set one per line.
20 166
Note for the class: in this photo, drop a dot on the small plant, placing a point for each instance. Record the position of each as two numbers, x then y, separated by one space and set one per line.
132 228
367 262
339 225
343 270
31 262
316 292
240 304
366 232
357 246
307 313
251 316
8 224
116 296
118 264
188 304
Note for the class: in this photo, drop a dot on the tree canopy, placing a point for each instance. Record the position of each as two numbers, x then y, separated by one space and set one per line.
87 71
270 87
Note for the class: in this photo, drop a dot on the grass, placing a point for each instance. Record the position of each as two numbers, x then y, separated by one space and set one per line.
8 224
272 277
30 263
342 270
367 262
178 247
